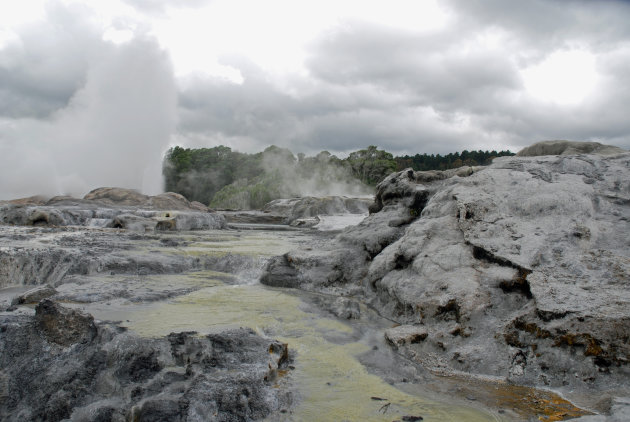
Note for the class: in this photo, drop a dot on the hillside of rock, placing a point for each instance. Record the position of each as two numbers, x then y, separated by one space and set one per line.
519 270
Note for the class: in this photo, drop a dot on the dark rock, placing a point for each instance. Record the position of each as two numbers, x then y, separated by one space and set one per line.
118 196
63 326
117 376
280 273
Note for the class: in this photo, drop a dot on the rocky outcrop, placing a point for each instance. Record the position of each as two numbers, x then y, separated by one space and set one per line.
33 256
520 270
130 197
568 148
305 211
61 365
117 196
113 208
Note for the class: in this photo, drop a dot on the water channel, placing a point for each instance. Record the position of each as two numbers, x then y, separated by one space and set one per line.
342 370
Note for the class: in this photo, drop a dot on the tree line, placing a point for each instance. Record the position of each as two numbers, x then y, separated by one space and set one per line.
425 162
224 178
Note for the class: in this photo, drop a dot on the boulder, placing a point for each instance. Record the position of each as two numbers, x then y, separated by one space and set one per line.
35 295
172 201
199 221
63 326
31 200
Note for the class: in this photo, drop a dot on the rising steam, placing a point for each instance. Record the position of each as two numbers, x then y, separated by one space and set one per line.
112 132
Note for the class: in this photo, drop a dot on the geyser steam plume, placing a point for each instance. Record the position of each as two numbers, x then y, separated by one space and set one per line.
112 132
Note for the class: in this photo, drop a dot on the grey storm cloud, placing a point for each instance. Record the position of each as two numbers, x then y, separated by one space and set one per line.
39 74
414 92
548 24
78 112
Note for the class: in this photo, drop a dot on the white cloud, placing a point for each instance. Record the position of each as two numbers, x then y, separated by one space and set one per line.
564 77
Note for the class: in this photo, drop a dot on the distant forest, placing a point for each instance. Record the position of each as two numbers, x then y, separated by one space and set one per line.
224 178
453 160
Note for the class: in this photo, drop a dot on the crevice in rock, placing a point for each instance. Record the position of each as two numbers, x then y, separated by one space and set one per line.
591 346
550 315
41 220
485 255
402 262
404 309
117 224
449 311
518 284
420 199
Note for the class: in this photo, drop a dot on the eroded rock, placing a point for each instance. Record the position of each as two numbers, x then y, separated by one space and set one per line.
405 335
518 270
63 326
304 211
117 376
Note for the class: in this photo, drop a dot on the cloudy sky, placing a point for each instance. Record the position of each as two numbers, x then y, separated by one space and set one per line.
92 93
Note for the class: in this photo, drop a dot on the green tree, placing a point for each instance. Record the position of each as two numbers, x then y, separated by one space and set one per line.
371 165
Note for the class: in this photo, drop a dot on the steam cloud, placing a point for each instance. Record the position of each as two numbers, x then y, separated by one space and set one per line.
110 131
324 179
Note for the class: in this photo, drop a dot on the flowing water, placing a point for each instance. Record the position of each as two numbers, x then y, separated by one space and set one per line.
342 370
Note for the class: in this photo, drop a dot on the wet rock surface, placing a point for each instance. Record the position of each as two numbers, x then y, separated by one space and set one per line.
519 270
50 256
60 365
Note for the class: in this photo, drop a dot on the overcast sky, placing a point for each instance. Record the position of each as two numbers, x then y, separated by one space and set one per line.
92 93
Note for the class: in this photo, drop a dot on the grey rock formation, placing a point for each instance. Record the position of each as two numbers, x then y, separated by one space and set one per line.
63 326
61 365
568 148
405 335
33 256
619 412
113 208
35 295
117 196
306 209
520 270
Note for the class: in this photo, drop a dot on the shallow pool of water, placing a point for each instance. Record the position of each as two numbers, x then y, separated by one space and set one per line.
342 370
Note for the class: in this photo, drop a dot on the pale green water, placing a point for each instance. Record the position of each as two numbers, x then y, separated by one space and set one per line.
332 383
328 380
